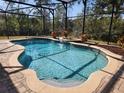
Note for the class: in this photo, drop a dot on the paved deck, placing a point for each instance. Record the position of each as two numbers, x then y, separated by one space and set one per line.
14 81
11 80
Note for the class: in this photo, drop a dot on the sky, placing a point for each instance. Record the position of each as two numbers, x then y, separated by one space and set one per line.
73 11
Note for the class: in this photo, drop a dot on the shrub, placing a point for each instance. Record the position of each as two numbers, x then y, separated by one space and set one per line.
121 41
53 34
84 37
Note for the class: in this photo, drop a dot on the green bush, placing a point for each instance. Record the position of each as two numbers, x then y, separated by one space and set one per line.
121 42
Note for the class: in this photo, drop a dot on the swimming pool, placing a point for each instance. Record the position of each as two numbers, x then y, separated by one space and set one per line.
60 62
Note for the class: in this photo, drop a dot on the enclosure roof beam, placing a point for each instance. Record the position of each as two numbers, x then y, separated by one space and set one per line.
19 8
67 1
38 6
51 4
17 13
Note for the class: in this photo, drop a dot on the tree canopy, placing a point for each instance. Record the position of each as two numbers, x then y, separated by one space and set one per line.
98 14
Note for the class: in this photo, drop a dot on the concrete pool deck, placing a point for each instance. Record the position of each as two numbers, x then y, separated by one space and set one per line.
16 79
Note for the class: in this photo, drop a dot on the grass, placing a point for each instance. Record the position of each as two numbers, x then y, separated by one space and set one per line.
11 37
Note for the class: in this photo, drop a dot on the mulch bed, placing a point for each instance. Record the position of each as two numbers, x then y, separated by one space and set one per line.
114 49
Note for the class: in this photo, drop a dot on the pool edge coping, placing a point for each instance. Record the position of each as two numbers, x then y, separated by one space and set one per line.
45 88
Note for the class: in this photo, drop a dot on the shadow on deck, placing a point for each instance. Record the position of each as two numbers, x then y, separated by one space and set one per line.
108 88
6 83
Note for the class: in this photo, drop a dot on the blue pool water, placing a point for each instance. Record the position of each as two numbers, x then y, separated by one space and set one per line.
60 62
